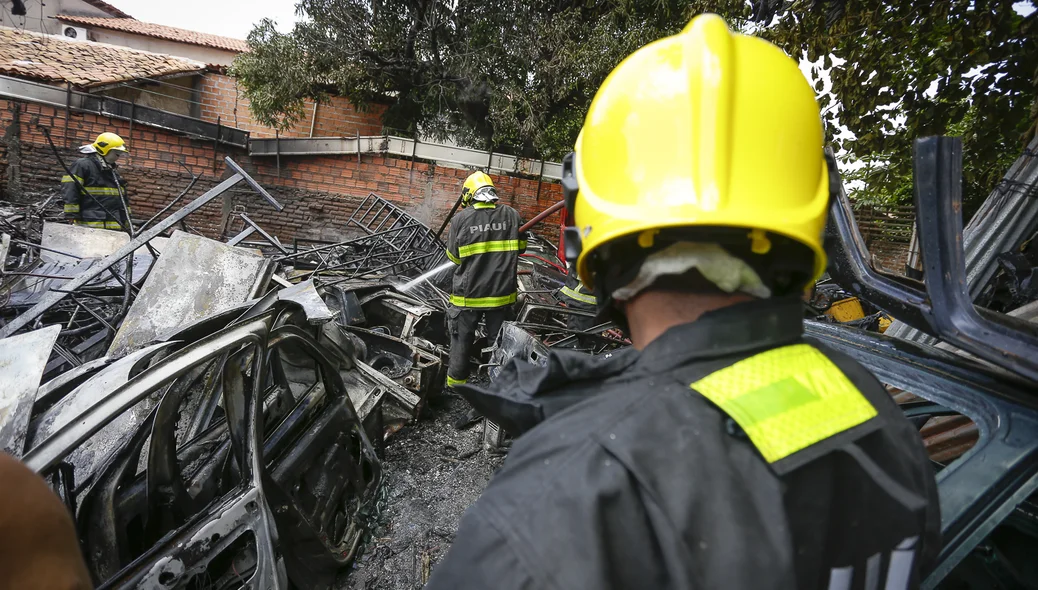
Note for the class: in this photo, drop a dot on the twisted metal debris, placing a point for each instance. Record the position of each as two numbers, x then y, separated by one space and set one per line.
209 427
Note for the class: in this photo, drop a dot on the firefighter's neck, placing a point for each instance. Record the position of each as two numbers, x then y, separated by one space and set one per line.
653 312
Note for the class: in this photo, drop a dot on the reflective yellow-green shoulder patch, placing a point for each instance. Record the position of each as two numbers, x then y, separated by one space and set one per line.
787 399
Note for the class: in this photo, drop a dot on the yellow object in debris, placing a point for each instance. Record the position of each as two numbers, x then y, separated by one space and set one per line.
846 310
884 323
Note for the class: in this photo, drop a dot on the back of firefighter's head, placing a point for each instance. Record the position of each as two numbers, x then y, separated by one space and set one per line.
700 167
478 187
110 146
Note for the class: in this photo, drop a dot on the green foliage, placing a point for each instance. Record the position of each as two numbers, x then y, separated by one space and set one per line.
276 76
510 75
518 76
911 70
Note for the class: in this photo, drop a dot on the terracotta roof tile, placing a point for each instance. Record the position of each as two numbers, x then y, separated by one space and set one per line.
83 63
130 25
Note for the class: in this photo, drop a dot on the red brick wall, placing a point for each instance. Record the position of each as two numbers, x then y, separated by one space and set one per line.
222 98
319 193
423 189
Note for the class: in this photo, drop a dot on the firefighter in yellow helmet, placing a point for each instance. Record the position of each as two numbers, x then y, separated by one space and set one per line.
484 243
723 449
94 192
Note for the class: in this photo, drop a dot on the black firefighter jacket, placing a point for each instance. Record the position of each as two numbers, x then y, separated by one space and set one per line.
576 294
102 205
626 476
485 244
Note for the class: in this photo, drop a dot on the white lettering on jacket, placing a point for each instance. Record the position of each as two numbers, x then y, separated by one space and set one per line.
486 227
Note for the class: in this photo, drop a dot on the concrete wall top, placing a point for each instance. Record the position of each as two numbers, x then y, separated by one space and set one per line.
208 55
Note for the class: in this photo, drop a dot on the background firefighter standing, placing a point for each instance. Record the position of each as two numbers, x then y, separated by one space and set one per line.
94 192
485 244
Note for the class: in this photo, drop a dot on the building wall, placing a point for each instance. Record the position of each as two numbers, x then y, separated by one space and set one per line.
174 95
40 15
222 98
319 193
207 55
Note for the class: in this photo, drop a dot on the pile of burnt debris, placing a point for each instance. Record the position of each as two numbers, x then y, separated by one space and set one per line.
215 413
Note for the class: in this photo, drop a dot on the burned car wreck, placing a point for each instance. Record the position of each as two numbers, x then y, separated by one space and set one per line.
229 448
213 423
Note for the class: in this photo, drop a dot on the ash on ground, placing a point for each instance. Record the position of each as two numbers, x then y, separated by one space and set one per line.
431 474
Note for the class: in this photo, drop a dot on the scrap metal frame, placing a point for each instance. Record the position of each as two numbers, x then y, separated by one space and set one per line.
370 254
275 457
374 213
246 510
252 227
53 297
984 486
942 308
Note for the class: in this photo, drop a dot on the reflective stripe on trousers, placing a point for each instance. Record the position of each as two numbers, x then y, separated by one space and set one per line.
483 302
451 381
99 224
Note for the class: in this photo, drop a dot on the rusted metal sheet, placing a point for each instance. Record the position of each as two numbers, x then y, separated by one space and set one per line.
949 437
305 296
5 247
945 438
195 277
22 360
62 242
87 457
65 243
48 276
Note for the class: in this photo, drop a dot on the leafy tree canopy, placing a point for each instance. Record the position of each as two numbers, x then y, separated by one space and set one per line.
909 69
518 76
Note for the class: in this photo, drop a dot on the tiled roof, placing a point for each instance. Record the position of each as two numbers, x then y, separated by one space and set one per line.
108 8
130 25
83 63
